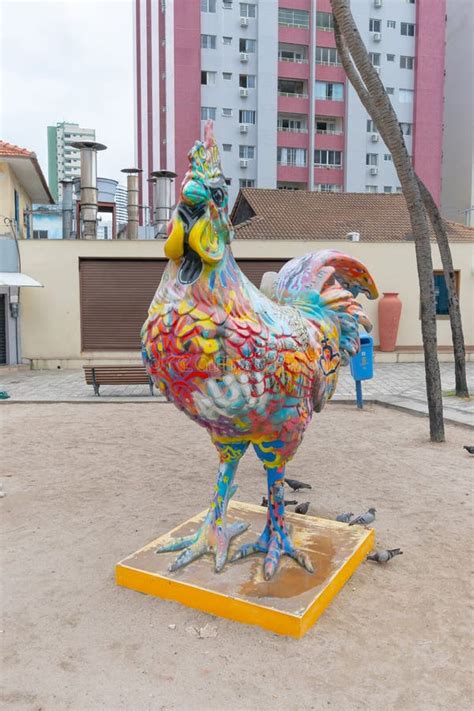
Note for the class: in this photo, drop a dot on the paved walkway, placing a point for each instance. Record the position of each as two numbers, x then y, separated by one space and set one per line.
395 384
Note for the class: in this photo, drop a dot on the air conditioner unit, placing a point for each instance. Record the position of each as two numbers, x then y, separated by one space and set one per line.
377 3
244 93
377 69
377 36
374 137
244 128
374 170
244 57
244 22
353 236
243 163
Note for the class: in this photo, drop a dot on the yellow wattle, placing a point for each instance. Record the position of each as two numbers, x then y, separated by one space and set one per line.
174 245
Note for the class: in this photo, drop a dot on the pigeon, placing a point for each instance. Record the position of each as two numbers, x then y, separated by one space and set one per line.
364 518
287 503
344 517
469 449
296 485
384 556
302 508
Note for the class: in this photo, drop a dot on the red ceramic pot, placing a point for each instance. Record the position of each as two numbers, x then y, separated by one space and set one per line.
390 308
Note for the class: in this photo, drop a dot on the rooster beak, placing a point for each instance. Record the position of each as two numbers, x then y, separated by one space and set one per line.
174 245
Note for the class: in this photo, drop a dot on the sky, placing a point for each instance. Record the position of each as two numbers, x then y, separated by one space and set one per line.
68 60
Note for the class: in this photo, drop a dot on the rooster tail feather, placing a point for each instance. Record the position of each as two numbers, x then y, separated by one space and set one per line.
328 281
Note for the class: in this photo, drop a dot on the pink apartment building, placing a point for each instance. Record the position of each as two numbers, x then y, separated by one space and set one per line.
268 74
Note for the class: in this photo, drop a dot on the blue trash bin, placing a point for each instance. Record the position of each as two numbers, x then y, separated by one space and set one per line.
362 365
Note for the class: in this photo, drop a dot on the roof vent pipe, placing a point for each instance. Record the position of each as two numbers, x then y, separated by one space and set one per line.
162 201
353 236
67 209
132 201
88 227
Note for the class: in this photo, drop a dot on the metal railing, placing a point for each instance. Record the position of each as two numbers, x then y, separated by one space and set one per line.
291 130
300 26
292 95
328 165
294 60
328 63
292 164
329 132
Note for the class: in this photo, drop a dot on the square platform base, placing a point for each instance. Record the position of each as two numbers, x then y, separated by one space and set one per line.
289 604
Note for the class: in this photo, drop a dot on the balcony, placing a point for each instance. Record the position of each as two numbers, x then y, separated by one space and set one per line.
296 53
292 95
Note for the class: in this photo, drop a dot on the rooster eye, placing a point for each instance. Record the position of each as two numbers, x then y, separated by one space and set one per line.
218 196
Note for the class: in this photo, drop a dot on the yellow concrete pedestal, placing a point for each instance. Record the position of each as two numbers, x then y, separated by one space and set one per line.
289 604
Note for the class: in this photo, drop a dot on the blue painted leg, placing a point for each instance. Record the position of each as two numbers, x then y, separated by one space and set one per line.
214 535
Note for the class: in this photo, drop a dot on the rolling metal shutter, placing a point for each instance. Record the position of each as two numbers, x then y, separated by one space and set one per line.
115 295
3 331
254 269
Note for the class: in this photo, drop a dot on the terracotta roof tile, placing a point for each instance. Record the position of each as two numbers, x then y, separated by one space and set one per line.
12 151
304 215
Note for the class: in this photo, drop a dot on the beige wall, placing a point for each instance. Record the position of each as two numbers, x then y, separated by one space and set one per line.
8 183
50 317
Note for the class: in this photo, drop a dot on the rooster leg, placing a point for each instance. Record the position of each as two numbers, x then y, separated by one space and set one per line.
214 536
275 539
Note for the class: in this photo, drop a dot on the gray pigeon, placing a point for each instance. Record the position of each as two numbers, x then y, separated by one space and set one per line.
364 518
344 517
302 508
385 555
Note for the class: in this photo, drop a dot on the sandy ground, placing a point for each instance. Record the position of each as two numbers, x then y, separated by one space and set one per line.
86 485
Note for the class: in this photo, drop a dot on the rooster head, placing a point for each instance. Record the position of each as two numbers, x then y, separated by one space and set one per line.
200 228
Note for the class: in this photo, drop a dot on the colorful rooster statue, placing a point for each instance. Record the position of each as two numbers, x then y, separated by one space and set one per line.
249 368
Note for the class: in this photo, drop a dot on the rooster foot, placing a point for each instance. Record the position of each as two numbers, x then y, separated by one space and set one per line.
274 544
210 538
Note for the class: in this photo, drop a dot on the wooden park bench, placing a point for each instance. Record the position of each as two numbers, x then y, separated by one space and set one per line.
97 375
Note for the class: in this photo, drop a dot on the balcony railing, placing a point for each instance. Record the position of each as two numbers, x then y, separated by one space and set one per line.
299 25
286 129
291 164
294 60
292 95
329 132
325 29
328 63
328 165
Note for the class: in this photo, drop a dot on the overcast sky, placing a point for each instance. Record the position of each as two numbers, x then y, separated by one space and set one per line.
68 60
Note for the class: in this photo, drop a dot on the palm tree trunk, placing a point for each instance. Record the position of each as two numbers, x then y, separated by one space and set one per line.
352 48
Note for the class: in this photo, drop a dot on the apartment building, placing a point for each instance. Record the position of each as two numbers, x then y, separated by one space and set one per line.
64 161
269 75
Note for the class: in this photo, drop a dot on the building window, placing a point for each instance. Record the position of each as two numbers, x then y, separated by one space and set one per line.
246 183
228 181
327 55
390 57
441 292
390 90
227 75
227 40
387 188
371 127
293 18
208 41
292 125
405 96
406 62
227 113
247 152
329 90
325 126
328 188
40 234
208 78
324 21
371 159
292 87
227 147
391 24
208 112
407 29
247 9
387 157
247 116
247 81
406 128
227 4
324 158
208 5
292 53
375 25
292 156
375 59
246 45
370 188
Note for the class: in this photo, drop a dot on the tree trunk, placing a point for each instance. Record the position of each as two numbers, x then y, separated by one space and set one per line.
352 49
453 299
